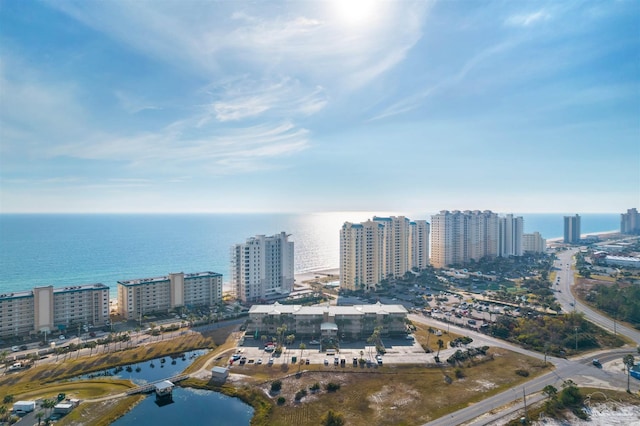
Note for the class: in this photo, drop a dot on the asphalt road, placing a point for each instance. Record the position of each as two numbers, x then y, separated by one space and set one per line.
564 265
580 370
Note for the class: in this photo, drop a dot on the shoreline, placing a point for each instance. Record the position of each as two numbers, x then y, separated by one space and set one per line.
600 234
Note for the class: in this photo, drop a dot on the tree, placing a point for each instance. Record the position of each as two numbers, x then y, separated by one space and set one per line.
332 418
440 343
48 404
8 399
552 394
39 416
628 360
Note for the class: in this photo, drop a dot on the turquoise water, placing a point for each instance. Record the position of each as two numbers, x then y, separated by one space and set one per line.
74 249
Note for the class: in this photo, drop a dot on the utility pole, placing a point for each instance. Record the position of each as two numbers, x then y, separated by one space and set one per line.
576 329
524 398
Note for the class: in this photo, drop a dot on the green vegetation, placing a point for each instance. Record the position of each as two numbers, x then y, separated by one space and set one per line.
332 418
558 335
622 303
276 385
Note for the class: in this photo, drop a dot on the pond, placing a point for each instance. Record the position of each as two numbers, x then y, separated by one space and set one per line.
189 406
150 370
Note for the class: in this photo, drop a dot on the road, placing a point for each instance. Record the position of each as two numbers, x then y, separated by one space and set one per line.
564 268
580 370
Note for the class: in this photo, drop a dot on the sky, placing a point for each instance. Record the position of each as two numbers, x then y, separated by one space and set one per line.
311 106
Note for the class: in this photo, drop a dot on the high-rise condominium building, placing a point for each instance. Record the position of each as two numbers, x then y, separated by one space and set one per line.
630 222
382 247
510 241
45 309
459 237
533 243
262 268
142 296
572 229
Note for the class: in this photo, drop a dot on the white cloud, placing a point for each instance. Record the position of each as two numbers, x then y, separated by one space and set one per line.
525 20
133 104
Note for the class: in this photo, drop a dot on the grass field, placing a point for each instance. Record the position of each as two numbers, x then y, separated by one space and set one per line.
387 395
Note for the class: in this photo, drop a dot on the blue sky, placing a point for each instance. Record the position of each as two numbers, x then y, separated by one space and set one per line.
198 106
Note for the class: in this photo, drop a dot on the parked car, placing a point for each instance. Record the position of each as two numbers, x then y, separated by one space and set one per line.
326 361
14 349
259 361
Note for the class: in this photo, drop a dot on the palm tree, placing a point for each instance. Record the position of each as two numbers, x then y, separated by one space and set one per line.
628 360
440 343
48 404
39 416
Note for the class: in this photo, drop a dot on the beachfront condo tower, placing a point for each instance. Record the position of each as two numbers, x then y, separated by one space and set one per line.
572 229
630 222
458 237
262 268
380 248
510 240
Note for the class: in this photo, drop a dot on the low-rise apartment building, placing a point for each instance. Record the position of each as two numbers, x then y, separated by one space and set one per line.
142 296
48 309
347 322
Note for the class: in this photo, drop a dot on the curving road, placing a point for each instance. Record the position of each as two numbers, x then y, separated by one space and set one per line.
564 267
579 369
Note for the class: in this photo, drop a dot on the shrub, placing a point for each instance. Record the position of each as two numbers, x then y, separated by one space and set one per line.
523 373
332 418
315 387
281 400
301 394
459 373
276 386
332 387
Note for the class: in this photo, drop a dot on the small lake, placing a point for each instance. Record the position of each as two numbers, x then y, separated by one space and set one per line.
150 370
189 406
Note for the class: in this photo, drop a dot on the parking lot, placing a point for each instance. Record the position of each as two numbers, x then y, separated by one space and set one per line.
398 351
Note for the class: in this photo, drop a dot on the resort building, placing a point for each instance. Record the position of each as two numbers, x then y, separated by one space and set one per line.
345 322
139 297
460 237
630 222
510 239
572 229
48 309
533 243
262 268
380 248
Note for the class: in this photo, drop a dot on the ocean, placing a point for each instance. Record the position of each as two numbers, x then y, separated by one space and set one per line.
75 249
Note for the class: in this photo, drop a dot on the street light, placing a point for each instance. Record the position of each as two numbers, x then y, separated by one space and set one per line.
576 328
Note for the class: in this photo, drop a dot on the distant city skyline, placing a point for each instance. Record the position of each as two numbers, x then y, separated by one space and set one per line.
516 107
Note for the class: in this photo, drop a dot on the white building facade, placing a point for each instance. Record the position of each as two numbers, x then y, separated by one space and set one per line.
262 268
510 239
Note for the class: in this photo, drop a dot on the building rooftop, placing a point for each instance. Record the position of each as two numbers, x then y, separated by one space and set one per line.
377 308
165 278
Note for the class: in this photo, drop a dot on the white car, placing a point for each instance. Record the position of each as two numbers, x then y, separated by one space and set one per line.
14 349
62 337
270 361
259 361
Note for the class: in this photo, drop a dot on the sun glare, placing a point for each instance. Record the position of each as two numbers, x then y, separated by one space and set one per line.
356 12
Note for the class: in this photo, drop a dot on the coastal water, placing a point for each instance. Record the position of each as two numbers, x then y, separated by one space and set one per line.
74 249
